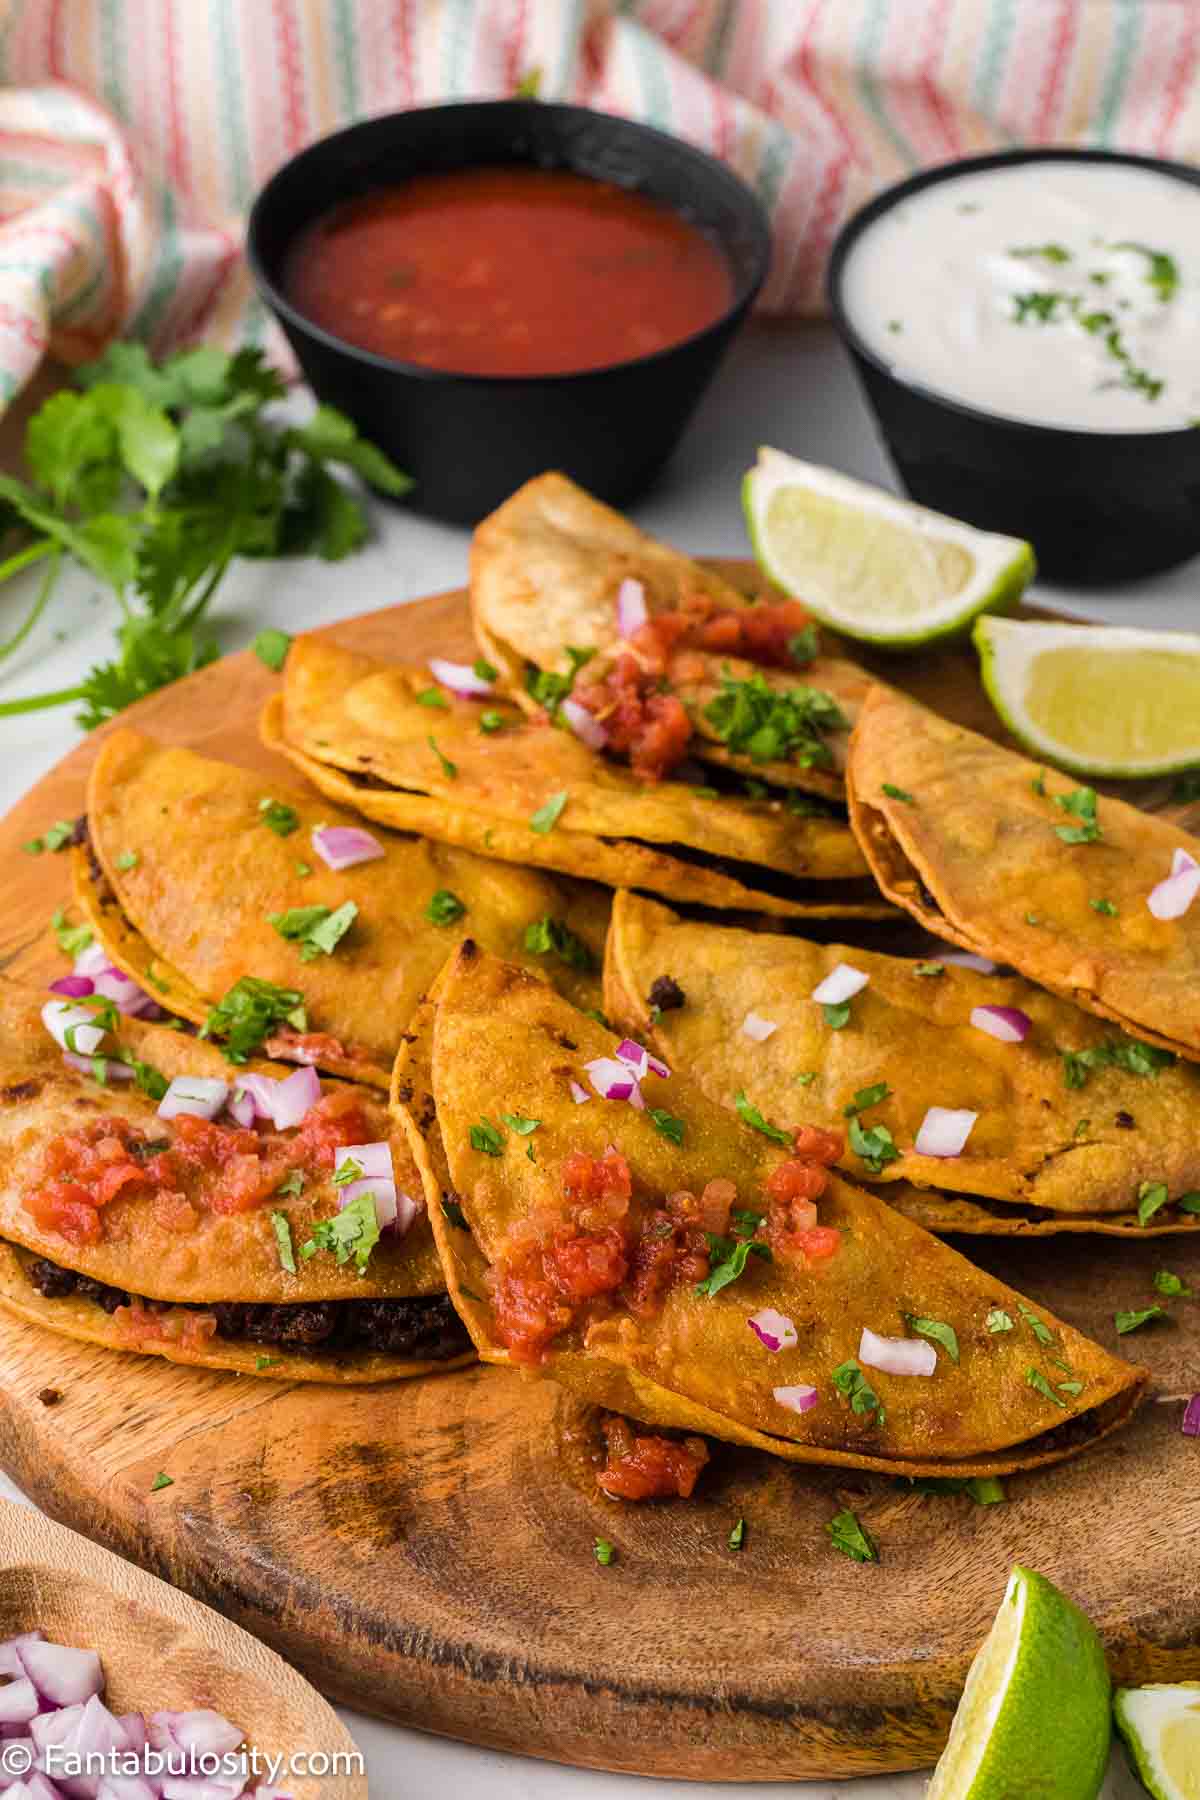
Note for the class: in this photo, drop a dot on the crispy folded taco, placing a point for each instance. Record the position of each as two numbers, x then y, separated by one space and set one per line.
481 773
1029 868
954 1215
192 867
735 1011
679 1265
749 685
188 1236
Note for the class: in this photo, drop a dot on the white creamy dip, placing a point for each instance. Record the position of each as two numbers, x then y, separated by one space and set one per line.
1065 293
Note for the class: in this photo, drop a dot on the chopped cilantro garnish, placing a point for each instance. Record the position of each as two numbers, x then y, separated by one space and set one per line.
1055 253
548 687
444 908
1167 1283
603 1551
666 1124
351 1233
1152 1196
293 1183
1081 1128
548 936
937 1331
485 670
454 1215
876 1145
486 1138
128 859
769 726
449 769
1039 304
737 1536
1036 1380
547 816
849 1380
491 721
316 929
1040 1330
985 1490
750 1115
1106 907
729 1261
1031 918
898 793
432 696
346 1172
806 1077
1074 1388
56 838
998 1320
247 1014
929 968
1081 804
71 938
868 1096
148 1078
271 647
1126 1322
303 868
1038 784
1162 271
837 1016
277 817
266 1362
1188 1203
804 645
161 1481
1129 1054
849 1536
520 1125
283 1240
530 1153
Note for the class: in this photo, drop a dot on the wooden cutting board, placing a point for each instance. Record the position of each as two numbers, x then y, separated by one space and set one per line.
424 1551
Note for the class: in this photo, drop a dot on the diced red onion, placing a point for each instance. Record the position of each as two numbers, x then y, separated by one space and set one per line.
372 1159
757 1028
18 1702
797 1399
636 1057
135 1730
344 846
241 1108
92 960
123 1787
1175 893
612 1080
579 1093
839 985
944 1131
968 959
124 992
99 1731
59 1726
113 1071
460 678
59 1017
73 986
283 1102
61 1675
205 1732
896 1356
40 1787
1007 1023
201 1787
631 607
774 1330
10 1652
200 1096
1191 1417
584 724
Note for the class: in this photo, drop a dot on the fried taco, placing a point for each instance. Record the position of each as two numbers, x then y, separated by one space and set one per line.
1084 894
1056 1122
672 659
155 1200
694 1270
211 887
406 751
956 1215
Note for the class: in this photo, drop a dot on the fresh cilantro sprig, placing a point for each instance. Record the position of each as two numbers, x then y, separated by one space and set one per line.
154 478
771 725
249 1012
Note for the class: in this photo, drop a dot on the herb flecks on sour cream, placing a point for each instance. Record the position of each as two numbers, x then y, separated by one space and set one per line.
1064 293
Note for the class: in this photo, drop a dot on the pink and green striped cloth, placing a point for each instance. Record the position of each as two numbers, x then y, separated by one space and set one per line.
134 133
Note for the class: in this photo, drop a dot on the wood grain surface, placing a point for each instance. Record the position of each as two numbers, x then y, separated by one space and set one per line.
425 1551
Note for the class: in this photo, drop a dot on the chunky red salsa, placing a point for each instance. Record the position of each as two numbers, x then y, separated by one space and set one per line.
643 718
194 1166
507 271
650 1467
605 1247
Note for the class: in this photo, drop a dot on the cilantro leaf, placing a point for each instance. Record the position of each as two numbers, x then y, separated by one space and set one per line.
737 1537
283 1241
553 937
896 793
449 769
929 968
937 1331
520 1125
454 1215
1171 1285
1126 1322
271 647
875 1145
1036 1380
277 817
865 1097
666 1124
603 1551
248 1013
730 1261
549 687
849 1380
350 1234
1081 803
750 1115
769 725
444 908
71 938
317 929
999 1320
1039 1328
837 1015
847 1534
1152 1196
486 1138
547 815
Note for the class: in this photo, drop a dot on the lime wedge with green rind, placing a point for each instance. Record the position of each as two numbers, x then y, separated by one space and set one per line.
870 565
1095 699
1161 1727
1035 1715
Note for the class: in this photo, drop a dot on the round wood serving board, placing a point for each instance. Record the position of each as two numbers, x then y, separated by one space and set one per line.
424 1551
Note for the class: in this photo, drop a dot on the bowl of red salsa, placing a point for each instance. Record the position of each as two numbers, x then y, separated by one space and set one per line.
496 288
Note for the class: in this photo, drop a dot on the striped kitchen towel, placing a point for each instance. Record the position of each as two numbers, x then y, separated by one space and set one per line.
134 133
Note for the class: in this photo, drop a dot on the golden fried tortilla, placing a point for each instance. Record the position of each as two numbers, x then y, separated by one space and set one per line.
492 1042
152 1246
1087 1149
359 729
191 915
545 569
969 839
954 1215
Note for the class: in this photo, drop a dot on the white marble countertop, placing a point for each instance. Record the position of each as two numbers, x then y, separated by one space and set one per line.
785 385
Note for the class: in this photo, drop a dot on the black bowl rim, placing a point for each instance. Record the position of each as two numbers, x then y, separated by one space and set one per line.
888 197
713 168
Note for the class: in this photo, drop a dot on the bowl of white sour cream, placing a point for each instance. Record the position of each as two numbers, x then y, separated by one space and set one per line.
1026 327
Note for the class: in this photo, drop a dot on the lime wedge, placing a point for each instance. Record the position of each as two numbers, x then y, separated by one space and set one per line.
870 565
1035 1714
1096 699
1161 1725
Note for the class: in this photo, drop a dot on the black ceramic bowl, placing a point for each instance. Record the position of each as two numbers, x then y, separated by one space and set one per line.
469 440
1097 506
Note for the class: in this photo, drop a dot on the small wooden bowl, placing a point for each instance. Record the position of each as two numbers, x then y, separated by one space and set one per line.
162 1650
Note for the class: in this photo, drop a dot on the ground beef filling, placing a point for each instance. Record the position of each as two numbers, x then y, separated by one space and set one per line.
426 1329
